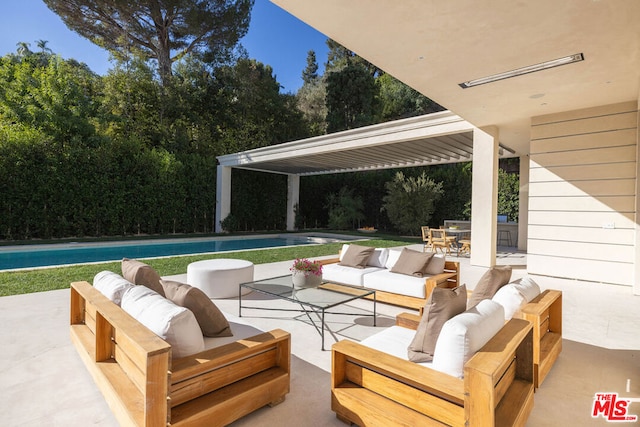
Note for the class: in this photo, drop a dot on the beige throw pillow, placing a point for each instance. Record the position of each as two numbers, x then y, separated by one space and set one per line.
209 317
412 263
356 256
140 273
492 280
442 305
435 266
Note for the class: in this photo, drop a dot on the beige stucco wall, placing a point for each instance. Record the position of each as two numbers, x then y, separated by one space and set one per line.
583 194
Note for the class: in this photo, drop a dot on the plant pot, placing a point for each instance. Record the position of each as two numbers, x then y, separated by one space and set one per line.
301 280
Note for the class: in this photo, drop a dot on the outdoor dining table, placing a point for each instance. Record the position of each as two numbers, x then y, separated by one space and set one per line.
459 234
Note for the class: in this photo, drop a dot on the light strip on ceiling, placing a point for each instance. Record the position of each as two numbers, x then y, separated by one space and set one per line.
524 70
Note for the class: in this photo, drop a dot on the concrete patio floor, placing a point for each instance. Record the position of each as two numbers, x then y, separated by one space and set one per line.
43 381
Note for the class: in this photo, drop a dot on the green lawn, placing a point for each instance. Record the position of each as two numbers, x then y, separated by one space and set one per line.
47 279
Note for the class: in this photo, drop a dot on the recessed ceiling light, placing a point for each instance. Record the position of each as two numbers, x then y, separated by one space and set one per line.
524 70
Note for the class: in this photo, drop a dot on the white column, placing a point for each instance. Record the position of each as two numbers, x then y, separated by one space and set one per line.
293 197
523 205
223 195
484 197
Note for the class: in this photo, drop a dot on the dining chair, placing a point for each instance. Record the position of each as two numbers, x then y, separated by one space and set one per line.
440 240
426 238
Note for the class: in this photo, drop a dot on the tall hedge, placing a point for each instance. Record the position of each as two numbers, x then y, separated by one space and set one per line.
112 189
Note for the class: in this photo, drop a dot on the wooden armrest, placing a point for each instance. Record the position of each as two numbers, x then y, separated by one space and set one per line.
408 320
542 302
193 376
420 377
195 364
328 261
441 278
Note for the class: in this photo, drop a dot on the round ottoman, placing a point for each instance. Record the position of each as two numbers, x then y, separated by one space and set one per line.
220 278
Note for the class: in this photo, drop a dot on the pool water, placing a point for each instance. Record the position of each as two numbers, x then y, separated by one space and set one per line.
80 253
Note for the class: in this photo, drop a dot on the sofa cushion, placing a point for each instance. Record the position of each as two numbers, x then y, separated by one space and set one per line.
111 285
174 324
412 263
211 320
347 275
385 280
442 305
528 288
394 254
510 299
435 266
392 340
492 280
378 258
241 330
140 273
463 335
356 256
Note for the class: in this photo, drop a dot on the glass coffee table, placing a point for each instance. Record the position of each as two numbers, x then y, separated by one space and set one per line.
314 301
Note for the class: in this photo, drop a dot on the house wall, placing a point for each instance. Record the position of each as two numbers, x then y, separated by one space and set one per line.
583 194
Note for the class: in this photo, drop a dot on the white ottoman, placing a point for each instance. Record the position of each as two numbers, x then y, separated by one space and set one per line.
220 278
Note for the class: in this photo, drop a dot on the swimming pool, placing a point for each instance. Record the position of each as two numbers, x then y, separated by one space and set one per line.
15 257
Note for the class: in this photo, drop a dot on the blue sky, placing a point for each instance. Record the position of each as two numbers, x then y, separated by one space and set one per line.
275 38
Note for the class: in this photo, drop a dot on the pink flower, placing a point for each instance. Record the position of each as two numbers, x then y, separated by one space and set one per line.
306 266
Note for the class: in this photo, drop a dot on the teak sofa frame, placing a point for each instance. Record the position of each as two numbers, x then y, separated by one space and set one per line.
448 279
372 388
545 314
142 385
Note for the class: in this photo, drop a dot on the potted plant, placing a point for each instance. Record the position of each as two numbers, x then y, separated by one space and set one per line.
306 273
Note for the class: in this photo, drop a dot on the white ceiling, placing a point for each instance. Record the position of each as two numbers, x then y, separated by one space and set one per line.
434 45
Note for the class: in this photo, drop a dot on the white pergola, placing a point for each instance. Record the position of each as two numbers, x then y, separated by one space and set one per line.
431 139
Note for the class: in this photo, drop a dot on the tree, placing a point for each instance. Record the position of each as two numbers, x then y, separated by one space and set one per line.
399 101
57 97
339 57
345 209
254 113
310 73
351 96
159 30
310 100
508 194
410 202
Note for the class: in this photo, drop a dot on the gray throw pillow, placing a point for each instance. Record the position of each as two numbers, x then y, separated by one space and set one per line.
356 256
140 273
211 320
492 280
442 305
412 263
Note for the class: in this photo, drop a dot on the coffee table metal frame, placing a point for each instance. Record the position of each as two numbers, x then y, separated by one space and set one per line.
316 300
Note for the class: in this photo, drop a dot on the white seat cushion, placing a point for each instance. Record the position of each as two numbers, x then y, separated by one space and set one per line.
463 335
347 275
240 328
174 324
384 280
393 341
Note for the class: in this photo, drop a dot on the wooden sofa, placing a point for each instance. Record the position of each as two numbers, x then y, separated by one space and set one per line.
142 385
373 388
449 279
545 314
